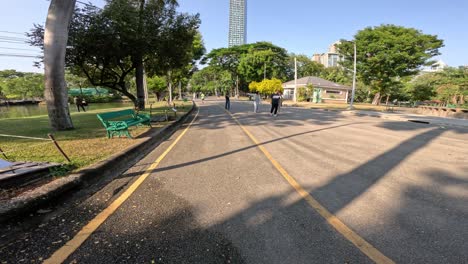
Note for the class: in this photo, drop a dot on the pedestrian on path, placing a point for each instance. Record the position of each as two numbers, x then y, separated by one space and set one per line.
227 105
256 102
275 101
79 102
202 98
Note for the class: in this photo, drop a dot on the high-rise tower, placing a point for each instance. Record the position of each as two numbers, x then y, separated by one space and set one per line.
237 22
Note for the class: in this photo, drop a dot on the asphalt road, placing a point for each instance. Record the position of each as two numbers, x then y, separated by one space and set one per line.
217 198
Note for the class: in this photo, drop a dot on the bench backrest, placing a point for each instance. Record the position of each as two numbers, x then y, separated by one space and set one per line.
104 117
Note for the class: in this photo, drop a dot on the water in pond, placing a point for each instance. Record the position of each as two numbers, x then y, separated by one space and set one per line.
18 111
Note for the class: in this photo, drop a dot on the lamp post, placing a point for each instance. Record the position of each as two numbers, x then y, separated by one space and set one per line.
354 79
295 80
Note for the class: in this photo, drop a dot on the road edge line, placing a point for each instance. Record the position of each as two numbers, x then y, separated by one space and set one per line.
364 246
60 255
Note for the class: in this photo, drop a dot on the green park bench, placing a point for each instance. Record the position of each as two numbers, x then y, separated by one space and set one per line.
118 122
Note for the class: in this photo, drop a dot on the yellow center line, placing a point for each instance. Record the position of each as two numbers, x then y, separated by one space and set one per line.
71 246
365 247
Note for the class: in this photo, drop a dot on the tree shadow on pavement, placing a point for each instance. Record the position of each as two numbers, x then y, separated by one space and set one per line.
337 193
432 218
165 231
238 150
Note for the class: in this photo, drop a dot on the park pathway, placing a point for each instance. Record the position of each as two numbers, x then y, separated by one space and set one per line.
304 187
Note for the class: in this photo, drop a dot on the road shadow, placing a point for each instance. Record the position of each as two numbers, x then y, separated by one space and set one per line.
337 193
431 219
253 146
162 232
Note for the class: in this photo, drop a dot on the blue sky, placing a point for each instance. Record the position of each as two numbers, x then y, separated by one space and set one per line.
300 26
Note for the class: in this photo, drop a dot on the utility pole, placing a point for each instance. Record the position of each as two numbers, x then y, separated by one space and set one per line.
170 88
295 79
354 80
237 87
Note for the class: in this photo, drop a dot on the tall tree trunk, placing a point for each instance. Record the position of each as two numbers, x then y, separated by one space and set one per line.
129 95
55 43
169 80
455 99
138 62
388 99
139 79
180 90
376 100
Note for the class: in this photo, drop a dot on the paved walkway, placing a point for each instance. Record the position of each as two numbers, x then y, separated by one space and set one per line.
304 187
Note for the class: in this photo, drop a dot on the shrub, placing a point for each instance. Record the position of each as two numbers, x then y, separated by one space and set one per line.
304 93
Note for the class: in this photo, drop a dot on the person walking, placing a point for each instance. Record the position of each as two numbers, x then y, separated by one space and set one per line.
227 105
78 102
275 101
256 102
202 98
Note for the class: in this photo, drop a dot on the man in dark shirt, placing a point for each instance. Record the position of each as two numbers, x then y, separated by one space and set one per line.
227 106
275 101
79 102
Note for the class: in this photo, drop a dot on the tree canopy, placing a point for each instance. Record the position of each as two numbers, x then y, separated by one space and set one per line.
20 85
109 45
387 53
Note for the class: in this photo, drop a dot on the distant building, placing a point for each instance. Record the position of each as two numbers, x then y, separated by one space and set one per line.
324 91
436 67
237 22
330 58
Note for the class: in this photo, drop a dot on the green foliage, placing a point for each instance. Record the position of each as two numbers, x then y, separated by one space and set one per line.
212 80
421 88
74 81
452 85
10 74
16 85
305 66
449 86
362 93
107 45
62 170
156 84
249 62
387 53
304 93
264 60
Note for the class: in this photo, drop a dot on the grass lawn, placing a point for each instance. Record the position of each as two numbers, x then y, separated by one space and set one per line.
84 145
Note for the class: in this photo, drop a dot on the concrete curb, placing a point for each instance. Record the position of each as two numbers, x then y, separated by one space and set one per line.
113 165
416 119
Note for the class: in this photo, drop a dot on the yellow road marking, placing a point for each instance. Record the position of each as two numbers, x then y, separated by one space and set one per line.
336 223
71 246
